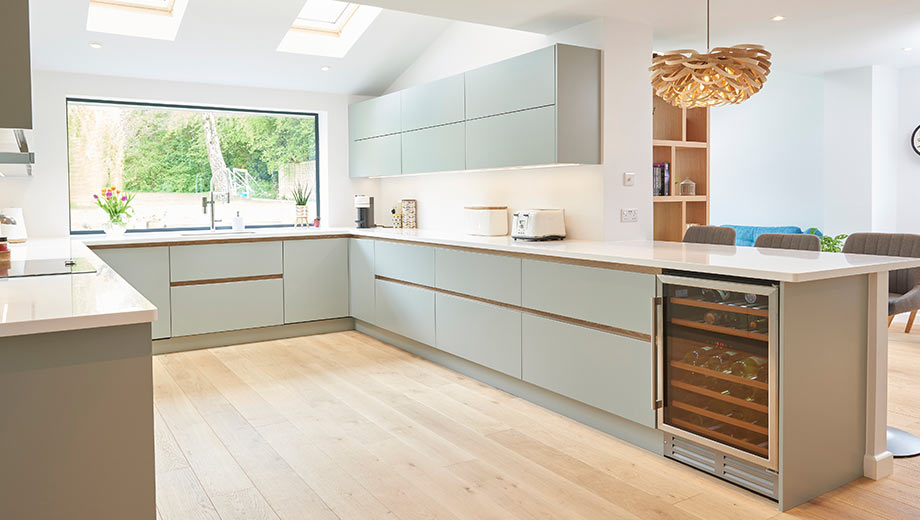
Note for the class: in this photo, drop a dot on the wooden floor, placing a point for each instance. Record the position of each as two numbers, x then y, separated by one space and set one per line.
344 426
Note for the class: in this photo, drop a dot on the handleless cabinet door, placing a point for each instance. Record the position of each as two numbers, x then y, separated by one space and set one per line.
147 270
520 138
480 332
406 310
216 307
214 261
375 156
518 83
606 371
436 149
315 279
361 278
493 277
374 117
401 261
16 64
431 104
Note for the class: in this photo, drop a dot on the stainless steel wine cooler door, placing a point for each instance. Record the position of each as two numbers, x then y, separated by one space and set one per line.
716 365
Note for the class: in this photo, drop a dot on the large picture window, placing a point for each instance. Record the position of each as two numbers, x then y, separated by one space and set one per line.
170 157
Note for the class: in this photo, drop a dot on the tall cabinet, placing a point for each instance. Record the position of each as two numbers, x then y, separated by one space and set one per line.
680 137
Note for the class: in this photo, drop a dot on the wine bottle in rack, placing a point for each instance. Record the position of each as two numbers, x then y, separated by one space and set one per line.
715 295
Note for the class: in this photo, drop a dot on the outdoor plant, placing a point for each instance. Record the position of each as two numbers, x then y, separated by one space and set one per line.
301 194
830 244
115 203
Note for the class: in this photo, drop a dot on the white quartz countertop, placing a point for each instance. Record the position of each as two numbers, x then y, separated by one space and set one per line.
40 304
748 262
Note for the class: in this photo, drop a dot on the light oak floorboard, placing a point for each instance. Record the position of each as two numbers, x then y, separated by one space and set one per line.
345 426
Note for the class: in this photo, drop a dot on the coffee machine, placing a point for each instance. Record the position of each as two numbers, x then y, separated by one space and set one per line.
365 207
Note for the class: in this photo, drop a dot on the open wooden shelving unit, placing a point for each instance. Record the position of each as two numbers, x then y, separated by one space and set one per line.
681 137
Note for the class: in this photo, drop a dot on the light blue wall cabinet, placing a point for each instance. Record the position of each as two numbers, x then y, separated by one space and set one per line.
374 117
216 261
406 310
480 332
315 279
375 156
604 370
435 149
432 104
525 138
493 277
401 261
147 270
519 83
217 307
620 299
361 279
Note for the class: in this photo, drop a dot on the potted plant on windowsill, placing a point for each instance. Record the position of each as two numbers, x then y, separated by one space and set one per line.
117 205
301 194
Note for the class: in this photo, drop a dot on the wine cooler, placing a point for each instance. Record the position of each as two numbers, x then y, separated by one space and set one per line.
716 377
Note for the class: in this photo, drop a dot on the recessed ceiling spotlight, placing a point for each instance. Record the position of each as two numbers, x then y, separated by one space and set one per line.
95 45
778 18
325 68
907 49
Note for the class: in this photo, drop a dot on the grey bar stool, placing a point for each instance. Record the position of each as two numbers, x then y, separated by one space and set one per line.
716 235
799 242
903 296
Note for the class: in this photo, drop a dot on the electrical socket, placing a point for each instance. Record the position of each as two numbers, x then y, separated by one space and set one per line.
629 215
629 178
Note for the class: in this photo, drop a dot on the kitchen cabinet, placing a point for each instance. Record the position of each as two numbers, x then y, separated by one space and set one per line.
402 261
218 261
620 299
361 298
375 156
480 332
519 83
603 370
218 307
439 148
525 138
147 270
16 64
315 279
437 103
493 277
374 117
406 310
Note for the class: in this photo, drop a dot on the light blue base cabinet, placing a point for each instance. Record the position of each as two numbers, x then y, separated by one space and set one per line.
218 307
401 261
480 332
361 299
315 279
147 270
406 310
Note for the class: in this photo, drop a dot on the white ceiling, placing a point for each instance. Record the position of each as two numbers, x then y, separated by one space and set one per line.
230 42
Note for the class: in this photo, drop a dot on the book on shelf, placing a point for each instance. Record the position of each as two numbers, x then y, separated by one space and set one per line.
661 179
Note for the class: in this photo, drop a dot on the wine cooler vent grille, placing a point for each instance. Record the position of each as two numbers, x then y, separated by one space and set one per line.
748 476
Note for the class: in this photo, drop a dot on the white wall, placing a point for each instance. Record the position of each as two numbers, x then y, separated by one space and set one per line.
44 196
908 161
766 156
884 149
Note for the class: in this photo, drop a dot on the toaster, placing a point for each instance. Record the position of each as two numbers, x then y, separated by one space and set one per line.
538 224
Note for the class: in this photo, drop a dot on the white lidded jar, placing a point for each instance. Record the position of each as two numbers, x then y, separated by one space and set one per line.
489 221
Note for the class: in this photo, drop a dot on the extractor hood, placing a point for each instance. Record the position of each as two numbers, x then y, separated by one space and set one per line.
15 157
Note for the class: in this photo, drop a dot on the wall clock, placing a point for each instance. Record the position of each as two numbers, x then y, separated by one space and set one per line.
915 140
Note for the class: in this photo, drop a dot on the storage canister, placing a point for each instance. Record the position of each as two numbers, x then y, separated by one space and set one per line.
490 221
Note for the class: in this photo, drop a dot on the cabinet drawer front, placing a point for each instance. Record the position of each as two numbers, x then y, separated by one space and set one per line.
407 262
487 276
618 299
610 372
315 279
522 82
437 103
361 279
198 309
147 270
212 261
406 310
516 139
436 149
375 156
374 117
482 333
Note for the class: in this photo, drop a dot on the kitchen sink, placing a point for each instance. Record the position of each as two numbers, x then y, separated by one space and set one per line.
219 232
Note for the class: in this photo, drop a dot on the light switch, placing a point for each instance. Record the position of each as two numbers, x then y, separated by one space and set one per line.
629 178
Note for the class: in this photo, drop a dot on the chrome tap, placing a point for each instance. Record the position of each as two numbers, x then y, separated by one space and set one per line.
205 202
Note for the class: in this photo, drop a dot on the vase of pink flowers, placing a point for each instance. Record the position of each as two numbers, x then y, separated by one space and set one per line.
117 205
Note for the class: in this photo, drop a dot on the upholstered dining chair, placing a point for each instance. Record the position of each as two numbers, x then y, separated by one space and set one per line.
716 235
800 242
903 296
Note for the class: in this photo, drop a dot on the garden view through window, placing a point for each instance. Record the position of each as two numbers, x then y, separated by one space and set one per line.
170 157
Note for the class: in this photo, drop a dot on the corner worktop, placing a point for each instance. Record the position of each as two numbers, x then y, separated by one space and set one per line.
748 262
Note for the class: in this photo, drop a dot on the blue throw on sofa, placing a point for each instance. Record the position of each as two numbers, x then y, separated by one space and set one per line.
747 235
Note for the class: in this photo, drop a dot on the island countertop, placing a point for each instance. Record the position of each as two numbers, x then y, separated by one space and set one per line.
54 303
748 262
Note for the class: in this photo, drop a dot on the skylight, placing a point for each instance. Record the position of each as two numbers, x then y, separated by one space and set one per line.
158 19
328 28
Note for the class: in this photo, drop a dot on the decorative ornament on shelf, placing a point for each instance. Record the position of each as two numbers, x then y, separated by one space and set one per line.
722 76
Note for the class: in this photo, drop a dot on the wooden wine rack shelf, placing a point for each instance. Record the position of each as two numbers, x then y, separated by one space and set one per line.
727 307
721 397
721 418
721 437
721 330
720 375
